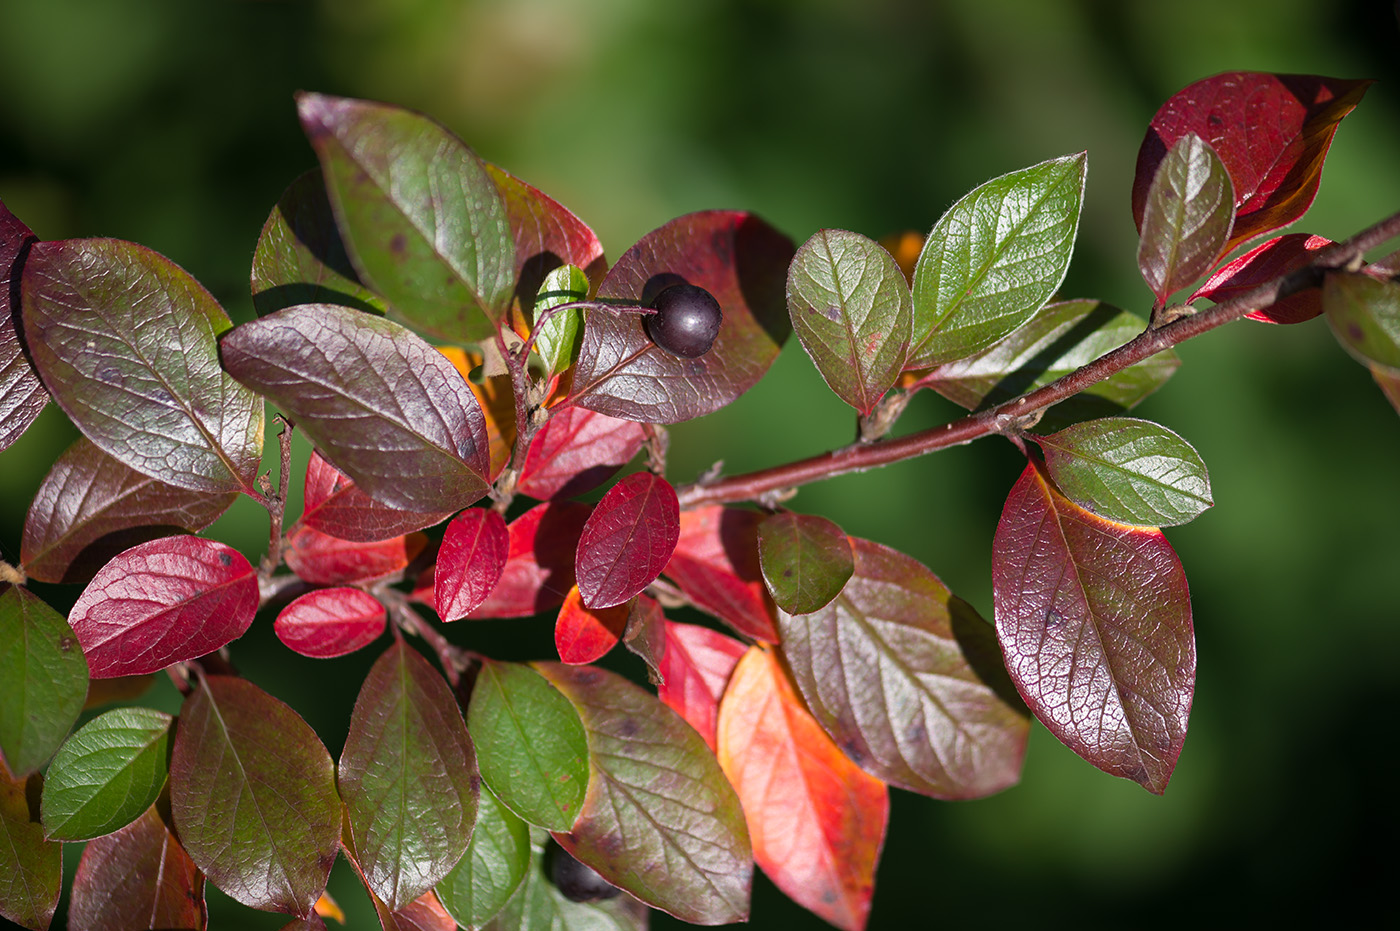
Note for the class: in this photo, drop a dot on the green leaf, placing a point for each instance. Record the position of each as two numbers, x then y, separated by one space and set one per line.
106 774
538 906
1128 470
557 338
994 259
407 777
31 866
252 792
478 887
424 223
806 560
530 745
1187 219
660 820
1364 314
43 680
851 310
126 342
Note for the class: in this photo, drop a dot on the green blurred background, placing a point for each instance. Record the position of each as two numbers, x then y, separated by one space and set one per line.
171 123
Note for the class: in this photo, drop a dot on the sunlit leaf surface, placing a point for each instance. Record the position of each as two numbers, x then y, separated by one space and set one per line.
330 622
695 671
494 866
576 451
716 565
106 774
1186 218
627 540
1265 262
470 561
1364 314
22 395
334 505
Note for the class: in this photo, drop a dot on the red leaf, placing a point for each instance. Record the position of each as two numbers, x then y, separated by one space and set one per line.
695 670
577 450
321 559
583 635
22 395
716 565
539 568
1094 620
470 561
139 877
335 505
330 622
1272 131
645 635
1265 262
627 540
164 602
816 819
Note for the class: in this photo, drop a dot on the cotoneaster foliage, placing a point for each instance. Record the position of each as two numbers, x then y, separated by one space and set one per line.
467 363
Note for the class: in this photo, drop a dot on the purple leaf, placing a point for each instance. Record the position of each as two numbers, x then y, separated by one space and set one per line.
330 622
1186 219
576 451
627 540
22 395
470 561
335 505
139 877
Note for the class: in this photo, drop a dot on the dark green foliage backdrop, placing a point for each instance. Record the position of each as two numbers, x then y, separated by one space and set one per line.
172 124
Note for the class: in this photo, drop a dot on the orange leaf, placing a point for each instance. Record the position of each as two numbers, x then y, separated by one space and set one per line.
695 669
497 404
817 821
584 634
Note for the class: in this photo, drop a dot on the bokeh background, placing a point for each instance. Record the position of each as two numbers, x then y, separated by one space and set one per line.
171 123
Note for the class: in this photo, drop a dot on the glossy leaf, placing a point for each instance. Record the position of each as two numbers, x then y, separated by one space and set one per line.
424 913
806 560
905 678
539 568
139 877
1364 314
90 507
300 257
470 561
43 680
126 342
557 334
1186 218
1271 131
695 671
627 540
716 565
252 792
1265 262
1060 339
382 405
31 866
645 635
422 220
326 560
576 451
851 310
22 394
817 820
660 821
538 906
312 922
742 262
494 866
164 602
106 774
334 505
330 622
1094 620
994 259
407 777
1128 470
583 635
530 745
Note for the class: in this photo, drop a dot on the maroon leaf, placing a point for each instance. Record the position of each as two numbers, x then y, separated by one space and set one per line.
22 395
1186 219
576 451
695 670
252 793
91 507
716 565
1272 131
806 560
325 560
627 540
31 866
539 568
1265 262
583 635
139 877
1094 620
380 403
333 504
164 602
646 635
742 262
330 622
424 913
470 561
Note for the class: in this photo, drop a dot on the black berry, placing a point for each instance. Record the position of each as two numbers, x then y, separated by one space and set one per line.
686 321
576 882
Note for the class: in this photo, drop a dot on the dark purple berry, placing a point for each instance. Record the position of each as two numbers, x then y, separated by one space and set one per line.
576 882
686 321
